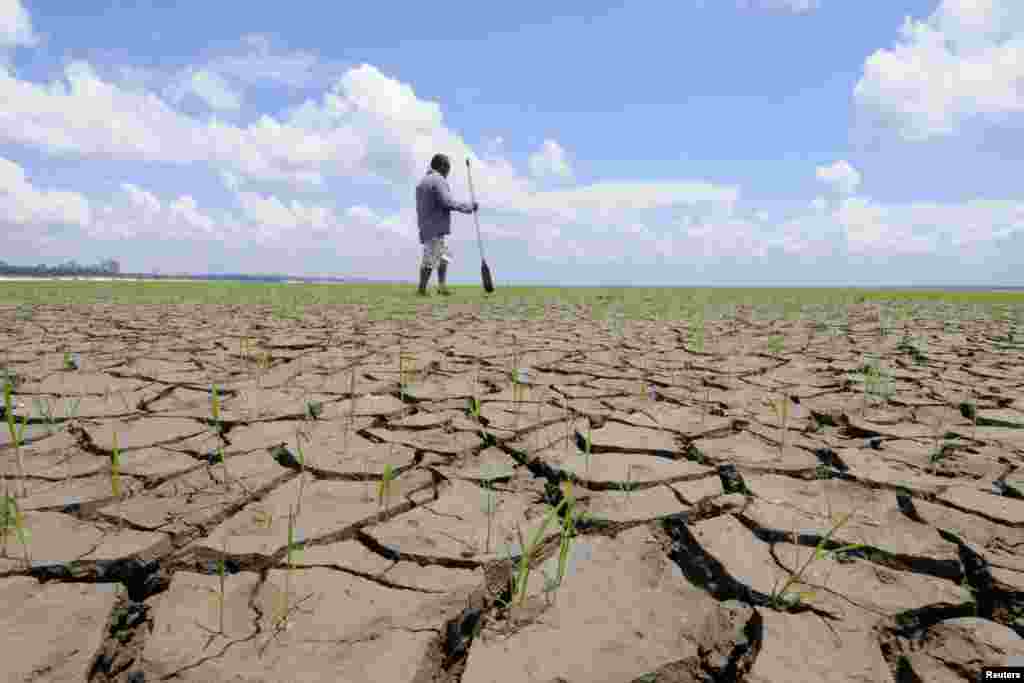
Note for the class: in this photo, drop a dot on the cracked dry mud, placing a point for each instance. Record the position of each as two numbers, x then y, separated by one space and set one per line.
695 511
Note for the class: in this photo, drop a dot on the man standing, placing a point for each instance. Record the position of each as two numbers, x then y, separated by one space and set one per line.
434 205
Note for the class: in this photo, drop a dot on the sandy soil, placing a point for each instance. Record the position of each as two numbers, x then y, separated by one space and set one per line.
697 501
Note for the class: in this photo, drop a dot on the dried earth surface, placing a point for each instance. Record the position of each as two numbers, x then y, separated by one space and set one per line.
698 500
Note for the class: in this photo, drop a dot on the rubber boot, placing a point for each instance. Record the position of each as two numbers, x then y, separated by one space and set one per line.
424 279
442 276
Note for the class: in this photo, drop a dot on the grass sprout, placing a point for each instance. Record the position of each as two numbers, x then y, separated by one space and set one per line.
12 518
782 407
568 535
491 474
301 457
16 433
115 479
520 579
405 371
384 488
784 597
628 485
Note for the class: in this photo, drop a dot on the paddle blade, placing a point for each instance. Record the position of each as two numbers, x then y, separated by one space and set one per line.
485 273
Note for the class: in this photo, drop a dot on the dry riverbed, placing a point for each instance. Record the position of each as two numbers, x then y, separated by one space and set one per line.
699 492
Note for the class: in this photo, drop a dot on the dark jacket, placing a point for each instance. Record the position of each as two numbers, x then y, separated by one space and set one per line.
434 205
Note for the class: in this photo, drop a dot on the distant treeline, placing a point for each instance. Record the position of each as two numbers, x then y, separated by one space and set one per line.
111 268
108 268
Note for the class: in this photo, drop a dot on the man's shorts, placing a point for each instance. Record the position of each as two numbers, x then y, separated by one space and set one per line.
434 252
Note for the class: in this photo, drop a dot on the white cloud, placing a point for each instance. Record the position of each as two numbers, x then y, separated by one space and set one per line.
840 176
368 126
208 86
608 201
259 63
15 25
870 228
22 204
794 6
550 162
145 202
139 213
965 60
185 209
84 115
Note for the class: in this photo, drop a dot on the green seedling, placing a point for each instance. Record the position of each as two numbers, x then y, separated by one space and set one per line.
884 325
314 409
869 377
264 365
521 578
775 344
301 457
215 411
880 384
940 453
115 480
45 408
70 361
628 485
263 519
970 410
474 408
12 517
474 401
384 488
784 597
215 408
697 335
490 475
291 551
16 433
221 567
781 406
822 471
294 548
72 411
520 376
568 535
405 371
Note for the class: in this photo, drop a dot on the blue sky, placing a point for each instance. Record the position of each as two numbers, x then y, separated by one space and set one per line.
775 142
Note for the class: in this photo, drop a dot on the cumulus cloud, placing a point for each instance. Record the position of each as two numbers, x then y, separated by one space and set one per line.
140 213
15 25
606 201
840 176
260 62
86 116
865 227
965 60
550 162
272 213
209 86
369 125
23 204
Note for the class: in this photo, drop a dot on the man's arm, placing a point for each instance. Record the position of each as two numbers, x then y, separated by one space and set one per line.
444 197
